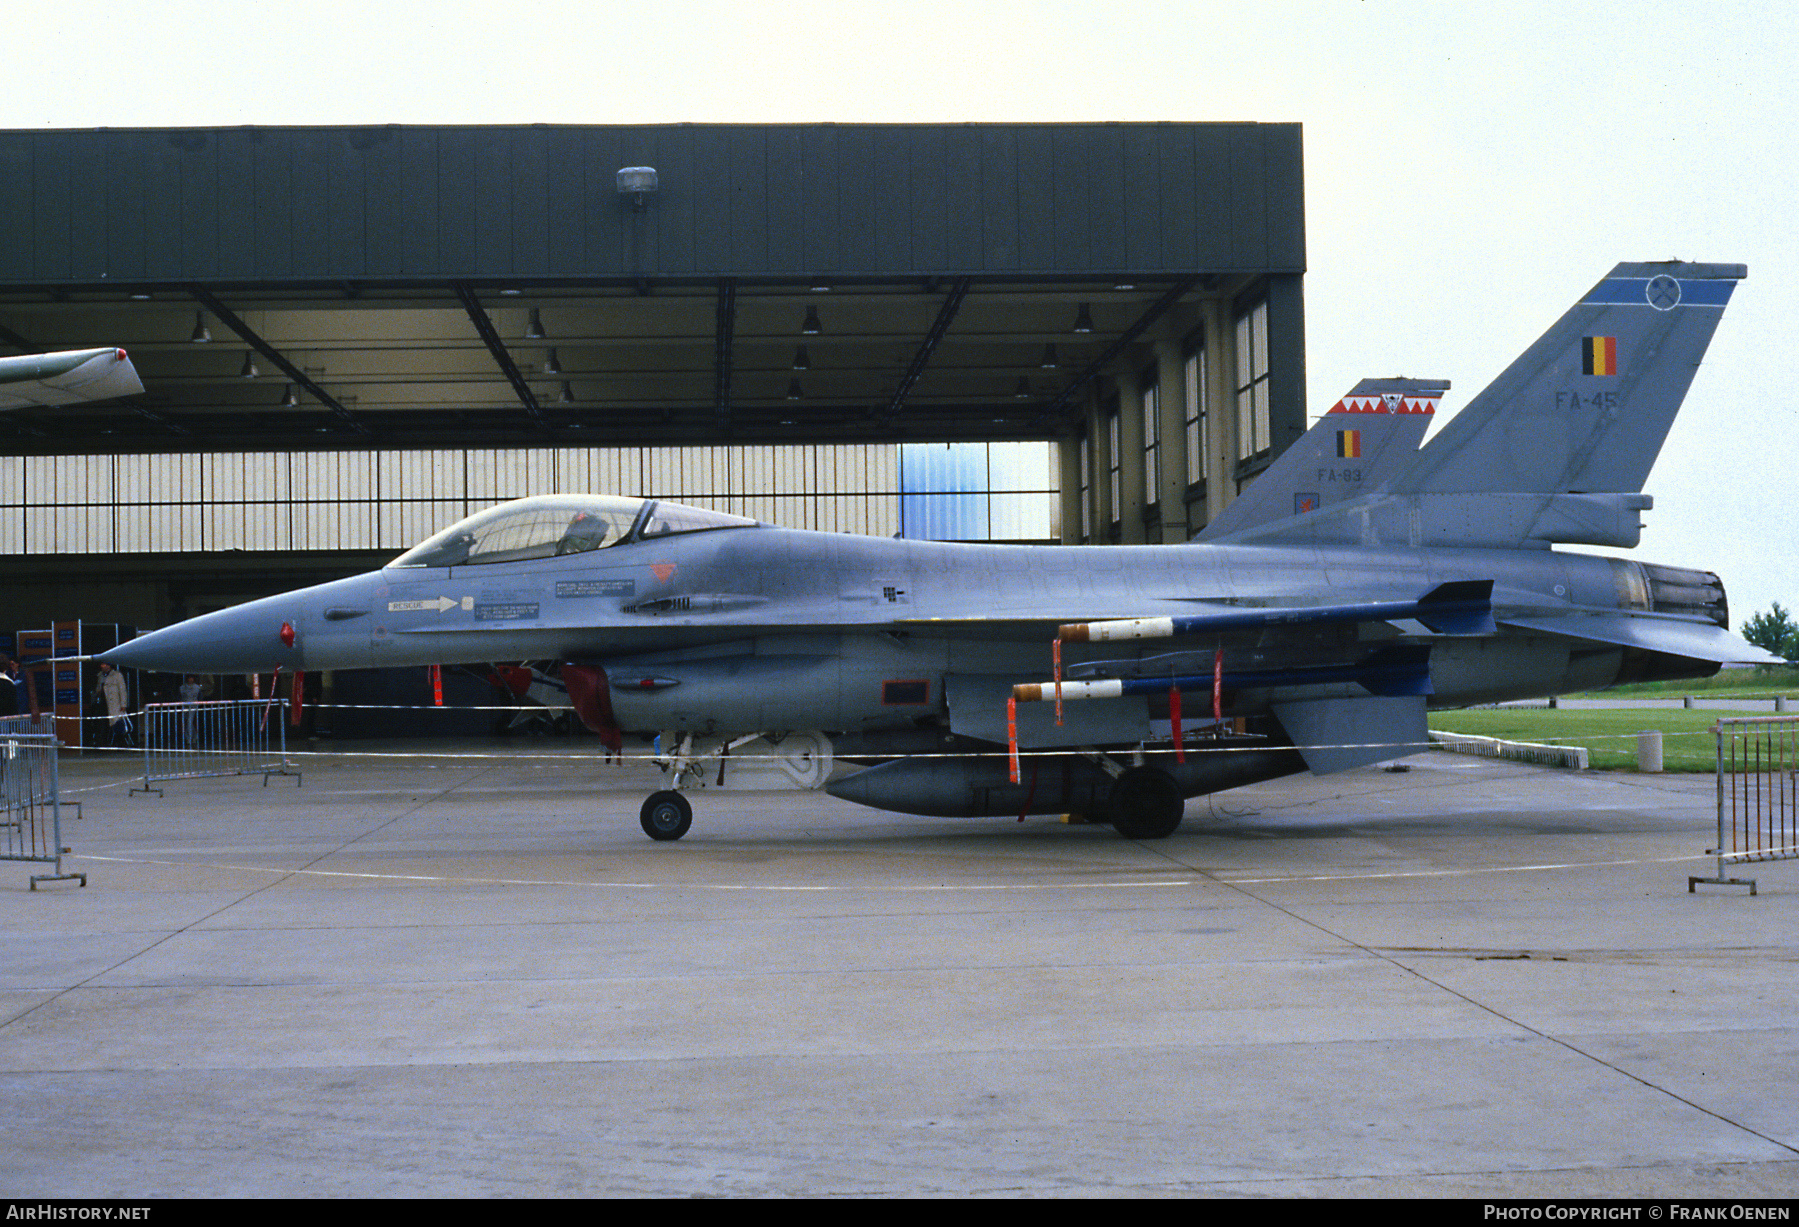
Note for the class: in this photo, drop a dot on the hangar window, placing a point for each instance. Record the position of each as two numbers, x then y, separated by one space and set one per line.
1114 477
979 491
1253 427
1152 441
1195 371
529 528
1086 489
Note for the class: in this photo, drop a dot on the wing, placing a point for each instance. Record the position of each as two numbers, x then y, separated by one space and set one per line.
66 378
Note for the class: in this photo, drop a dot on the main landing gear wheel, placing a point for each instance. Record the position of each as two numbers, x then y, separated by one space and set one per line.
666 815
1145 804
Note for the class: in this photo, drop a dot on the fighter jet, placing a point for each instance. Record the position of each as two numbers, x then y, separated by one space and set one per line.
1310 628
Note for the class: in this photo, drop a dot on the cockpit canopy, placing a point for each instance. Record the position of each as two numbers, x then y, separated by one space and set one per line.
554 524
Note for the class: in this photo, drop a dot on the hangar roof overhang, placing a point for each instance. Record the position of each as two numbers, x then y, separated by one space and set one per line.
304 289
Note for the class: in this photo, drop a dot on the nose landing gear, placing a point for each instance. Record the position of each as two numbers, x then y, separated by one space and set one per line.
666 815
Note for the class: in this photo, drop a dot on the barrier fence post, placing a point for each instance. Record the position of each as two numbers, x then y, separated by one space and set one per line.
184 741
1757 794
31 804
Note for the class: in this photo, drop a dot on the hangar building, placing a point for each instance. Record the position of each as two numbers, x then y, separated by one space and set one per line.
350 337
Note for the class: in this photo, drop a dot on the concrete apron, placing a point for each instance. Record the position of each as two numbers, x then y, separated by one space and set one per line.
476 976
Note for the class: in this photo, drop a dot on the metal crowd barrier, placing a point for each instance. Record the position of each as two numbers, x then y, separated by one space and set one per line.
1758 794
31 805
43 726
188 741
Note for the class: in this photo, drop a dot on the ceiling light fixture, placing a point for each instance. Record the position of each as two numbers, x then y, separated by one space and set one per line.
248 370
636 182
1023 390
1049 362
200 335
794 391
801 360
568 395
812 327
534 332
290 399
1083 319
550 365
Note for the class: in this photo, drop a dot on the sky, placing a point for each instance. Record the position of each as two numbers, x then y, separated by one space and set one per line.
1470 170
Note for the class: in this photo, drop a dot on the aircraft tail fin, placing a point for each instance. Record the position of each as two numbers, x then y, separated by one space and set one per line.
1555 450
1586 408
1364 442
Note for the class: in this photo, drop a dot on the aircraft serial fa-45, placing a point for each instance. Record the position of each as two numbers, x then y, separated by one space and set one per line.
1360 582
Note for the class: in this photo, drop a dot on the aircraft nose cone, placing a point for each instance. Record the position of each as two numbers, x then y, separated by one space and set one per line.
244 640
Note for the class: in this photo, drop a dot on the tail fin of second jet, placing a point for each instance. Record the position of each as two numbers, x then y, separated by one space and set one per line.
1364 442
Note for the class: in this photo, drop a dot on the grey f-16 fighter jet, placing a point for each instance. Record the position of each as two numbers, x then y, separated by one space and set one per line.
1360 582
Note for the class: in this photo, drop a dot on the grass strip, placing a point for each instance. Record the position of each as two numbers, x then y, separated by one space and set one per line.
1609 736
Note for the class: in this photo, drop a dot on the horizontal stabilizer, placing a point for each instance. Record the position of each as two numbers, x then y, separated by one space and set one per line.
34 380
1337 734
1675 636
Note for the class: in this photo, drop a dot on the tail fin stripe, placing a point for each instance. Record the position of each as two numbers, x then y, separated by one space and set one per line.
1634 292
1543 455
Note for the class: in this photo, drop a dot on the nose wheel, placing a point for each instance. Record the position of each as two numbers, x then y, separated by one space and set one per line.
666 815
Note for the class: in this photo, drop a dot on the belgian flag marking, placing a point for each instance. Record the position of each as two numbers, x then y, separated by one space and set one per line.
1349 444
1599 355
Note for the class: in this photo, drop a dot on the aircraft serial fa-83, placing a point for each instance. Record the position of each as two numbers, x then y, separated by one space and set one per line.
1361 581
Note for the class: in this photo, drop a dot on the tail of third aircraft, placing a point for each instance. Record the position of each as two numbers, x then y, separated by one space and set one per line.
1558 447
1367 439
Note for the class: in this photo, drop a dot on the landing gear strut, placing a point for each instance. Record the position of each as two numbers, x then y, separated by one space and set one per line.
666 815
1145 803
